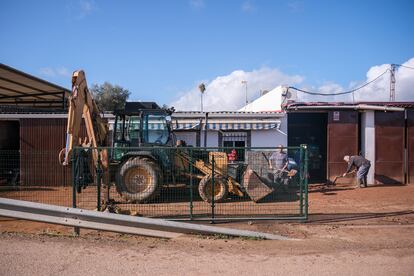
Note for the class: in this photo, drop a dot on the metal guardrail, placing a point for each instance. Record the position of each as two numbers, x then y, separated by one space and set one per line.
115 222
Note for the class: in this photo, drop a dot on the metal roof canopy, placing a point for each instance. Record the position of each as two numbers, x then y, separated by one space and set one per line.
320 106
23 90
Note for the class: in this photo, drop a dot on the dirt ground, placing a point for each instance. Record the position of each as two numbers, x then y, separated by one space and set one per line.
172 202
349 232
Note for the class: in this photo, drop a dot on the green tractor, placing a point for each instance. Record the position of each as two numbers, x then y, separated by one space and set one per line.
143 153
142 150
146 158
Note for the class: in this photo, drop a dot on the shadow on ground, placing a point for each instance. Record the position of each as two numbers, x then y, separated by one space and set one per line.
343 217
325 188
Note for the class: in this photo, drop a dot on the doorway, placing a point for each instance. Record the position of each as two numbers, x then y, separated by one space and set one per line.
9 153
310 129
9 135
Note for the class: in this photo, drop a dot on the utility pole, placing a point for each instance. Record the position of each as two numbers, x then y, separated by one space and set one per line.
245 83
392 82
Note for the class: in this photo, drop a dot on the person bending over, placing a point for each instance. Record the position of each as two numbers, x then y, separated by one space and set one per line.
361 164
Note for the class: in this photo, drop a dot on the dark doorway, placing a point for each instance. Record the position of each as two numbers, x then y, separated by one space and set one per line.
310 129
9 153
9 135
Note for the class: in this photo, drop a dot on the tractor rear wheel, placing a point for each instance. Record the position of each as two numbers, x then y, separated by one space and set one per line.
220 189
138 179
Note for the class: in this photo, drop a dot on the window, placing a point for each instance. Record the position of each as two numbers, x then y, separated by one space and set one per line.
118 129
131 128
155 129
237 141
127 134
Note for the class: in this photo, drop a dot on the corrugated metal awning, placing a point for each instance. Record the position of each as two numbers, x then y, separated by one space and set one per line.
186 126
242 126
23 90
235 125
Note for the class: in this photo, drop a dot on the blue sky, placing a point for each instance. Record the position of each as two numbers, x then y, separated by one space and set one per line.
159 50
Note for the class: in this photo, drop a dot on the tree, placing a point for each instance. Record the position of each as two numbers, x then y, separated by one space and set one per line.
109 97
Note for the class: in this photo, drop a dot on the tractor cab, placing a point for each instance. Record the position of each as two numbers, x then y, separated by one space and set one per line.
141 124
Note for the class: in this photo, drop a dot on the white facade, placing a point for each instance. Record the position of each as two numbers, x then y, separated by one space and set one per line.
190 137
212 139
249 129
271 138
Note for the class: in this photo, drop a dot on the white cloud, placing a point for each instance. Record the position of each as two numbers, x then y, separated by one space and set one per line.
47 72
228 92
62 71
247 6
54 72
87 6
405 82
80 9
379 90
197 4
296 6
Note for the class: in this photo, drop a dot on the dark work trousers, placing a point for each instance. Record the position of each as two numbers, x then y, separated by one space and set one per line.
363 172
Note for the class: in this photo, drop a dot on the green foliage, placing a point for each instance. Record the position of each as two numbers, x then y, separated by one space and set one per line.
109 97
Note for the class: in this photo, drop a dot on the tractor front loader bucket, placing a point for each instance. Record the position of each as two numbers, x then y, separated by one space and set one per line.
255 188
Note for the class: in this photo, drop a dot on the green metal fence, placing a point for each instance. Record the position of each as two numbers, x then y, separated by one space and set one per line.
170 182
193 183
35 176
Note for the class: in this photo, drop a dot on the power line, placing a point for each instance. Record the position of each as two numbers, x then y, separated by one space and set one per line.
340 93
400 65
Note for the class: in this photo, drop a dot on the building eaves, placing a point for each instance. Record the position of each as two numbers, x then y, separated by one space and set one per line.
291 106
227 114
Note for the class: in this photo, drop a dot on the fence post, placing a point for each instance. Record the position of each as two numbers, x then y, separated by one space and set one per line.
212 189
306 181
302 179
98 181
191 184
76 230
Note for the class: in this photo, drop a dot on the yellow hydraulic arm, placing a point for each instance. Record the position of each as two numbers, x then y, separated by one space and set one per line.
81 103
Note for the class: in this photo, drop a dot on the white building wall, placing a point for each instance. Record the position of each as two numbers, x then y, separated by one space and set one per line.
189 137
368 141
284 130
212 138
271 137
259 138
267 138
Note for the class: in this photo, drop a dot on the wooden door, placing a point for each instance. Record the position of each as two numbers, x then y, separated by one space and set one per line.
389 147
342 140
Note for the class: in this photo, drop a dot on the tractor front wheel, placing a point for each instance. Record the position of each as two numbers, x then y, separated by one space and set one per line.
205 189
138 179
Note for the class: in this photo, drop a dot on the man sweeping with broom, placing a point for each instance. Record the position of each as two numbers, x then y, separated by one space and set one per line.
361 164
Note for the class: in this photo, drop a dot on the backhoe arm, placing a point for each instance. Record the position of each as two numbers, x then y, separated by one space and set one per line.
81 104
